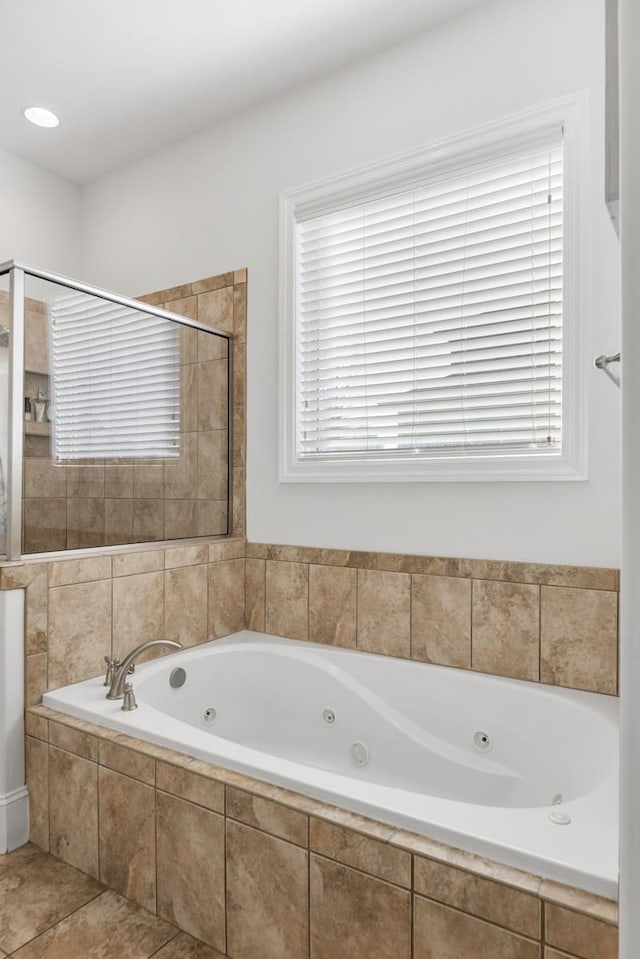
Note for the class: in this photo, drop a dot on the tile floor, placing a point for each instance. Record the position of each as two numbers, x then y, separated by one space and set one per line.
50 911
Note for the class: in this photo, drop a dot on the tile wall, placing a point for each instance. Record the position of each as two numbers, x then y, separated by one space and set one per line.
552 624
80 610
257 871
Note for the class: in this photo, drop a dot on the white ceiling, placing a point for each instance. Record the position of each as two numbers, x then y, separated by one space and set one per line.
127 77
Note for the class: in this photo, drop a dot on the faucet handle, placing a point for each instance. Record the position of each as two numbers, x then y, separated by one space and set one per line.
129 700
112 666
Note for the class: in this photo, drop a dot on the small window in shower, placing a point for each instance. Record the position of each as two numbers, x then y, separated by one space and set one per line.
115 381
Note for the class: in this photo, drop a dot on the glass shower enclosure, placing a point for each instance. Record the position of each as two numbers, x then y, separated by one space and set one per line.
107 405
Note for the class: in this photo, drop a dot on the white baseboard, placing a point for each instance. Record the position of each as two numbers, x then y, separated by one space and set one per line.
14 819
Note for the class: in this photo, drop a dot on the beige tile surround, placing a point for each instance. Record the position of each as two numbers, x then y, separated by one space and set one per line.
257 871
550 624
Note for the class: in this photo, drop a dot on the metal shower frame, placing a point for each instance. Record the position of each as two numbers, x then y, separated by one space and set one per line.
17 272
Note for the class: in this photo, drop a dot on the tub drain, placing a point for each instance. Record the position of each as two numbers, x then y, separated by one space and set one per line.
328 716
208 715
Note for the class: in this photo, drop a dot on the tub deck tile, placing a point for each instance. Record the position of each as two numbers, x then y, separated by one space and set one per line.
269 816
362 852
515 910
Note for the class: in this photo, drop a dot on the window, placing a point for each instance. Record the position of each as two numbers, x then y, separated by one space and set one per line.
115 380
429 326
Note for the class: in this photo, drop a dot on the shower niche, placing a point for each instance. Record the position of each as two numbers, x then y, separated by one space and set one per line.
117 425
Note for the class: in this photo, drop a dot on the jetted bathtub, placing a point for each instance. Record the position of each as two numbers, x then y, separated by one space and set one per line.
522 773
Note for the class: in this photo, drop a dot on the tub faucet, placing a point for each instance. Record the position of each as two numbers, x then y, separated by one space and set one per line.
120 673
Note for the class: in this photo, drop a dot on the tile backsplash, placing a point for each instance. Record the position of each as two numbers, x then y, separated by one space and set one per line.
552 624
546 623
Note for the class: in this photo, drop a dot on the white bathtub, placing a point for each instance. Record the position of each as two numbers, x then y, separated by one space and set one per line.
476 761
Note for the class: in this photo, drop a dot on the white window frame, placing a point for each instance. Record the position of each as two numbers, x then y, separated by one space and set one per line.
446 158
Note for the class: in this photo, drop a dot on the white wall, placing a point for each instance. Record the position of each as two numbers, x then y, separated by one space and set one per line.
40 217
211 204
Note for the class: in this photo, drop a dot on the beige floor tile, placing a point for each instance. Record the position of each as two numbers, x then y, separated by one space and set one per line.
185 947
37 891
110 927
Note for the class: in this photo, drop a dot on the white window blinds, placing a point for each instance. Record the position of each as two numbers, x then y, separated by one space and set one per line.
430 321
115 380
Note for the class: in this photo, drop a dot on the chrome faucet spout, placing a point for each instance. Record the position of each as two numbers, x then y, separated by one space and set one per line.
120 674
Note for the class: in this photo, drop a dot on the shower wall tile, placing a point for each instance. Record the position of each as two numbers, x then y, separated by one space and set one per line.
212 464
42 479
189 397
450 934
191 869
355 915
215 308
212 395
441 620
138 611
180 517
85 481
218 302
226 598
254 608
148 480
186 605
79 631
332 605
211 347
185 306
118 482
118 521
579 638
211 517
384 613
45 525
287 600
148 520
506 629
85 523
212 283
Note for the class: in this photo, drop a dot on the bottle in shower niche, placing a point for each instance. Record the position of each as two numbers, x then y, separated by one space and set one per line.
40 405
28 413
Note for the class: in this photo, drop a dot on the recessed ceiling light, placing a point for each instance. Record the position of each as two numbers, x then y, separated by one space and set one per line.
41 116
